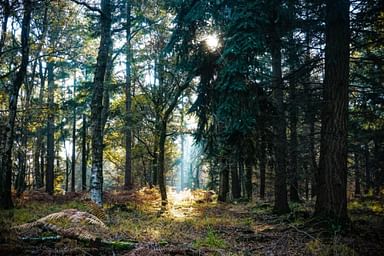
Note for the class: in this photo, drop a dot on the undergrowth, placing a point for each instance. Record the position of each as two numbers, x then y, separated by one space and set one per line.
232 228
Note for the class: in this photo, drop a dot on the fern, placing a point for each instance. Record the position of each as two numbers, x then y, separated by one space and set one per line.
72 215
96 210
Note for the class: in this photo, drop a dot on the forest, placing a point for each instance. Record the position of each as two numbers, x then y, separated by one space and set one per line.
192 127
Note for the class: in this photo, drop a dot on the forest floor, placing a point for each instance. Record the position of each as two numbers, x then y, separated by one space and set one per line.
192 224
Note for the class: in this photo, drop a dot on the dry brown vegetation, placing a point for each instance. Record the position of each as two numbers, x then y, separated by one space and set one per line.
133 223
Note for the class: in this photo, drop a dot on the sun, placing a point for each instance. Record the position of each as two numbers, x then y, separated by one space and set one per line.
212 41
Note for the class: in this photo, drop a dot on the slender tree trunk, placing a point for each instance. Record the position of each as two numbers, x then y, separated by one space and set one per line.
155 166
42 74
161 172
368 179
43 157
197 177
20 184
212 175
357 174
262 165
294 179
280 139
73 161
39 149
182 158
248 180
50 131
224 181
66 173
306 184
310 118
241 176
332 176
377 176
128 103
6 192
36 162
84 155
96 183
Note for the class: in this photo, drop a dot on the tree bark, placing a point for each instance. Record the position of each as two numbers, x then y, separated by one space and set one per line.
368 178
84 155
357 174
332 175
280 137
39 146
236 186
248 180
50 131
182 166
6 192
155 165
96 183
224 181
73 161
128 102
293 118
161 172
262 165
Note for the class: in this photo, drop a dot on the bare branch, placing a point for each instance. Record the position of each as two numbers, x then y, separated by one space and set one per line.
92 8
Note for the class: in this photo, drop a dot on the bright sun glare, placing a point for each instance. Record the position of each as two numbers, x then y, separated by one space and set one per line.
212 41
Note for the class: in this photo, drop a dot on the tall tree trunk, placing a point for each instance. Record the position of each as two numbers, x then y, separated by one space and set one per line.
294 176
368 178
241 176
43 167
84 155
212 174
182 182
39 146
280 139
248 180
262 165
6 191
128 102
73 161
236 186
21 183
155 165
66 173
332 176
357 174
377 176
42 75
224 181
96 183
36 162
50 131
161 170
197 176
309 117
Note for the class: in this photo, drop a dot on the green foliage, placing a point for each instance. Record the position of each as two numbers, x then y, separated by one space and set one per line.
367 205
212 241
